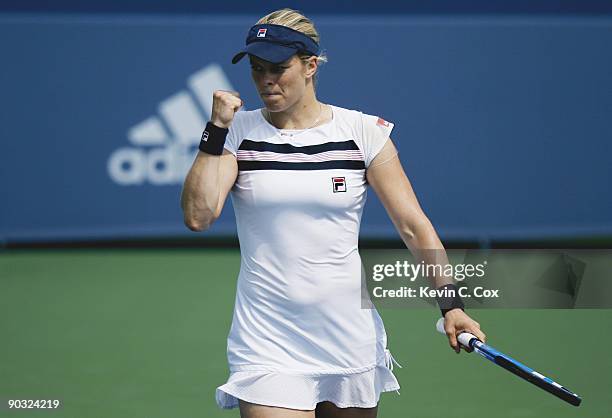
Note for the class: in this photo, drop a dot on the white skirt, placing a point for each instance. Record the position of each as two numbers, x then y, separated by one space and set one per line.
361 390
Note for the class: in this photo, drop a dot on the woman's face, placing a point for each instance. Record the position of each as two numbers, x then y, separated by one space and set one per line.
281 85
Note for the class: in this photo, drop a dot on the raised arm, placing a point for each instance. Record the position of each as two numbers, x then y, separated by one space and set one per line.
388 179
206 187
211 176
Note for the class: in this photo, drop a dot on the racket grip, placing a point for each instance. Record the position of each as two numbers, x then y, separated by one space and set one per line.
465 338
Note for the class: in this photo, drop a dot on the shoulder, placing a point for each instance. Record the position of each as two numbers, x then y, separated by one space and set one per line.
370 132
358 118
359 121
347 115
246 119
244 122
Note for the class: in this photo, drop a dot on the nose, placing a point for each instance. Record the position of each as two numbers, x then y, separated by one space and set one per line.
268 78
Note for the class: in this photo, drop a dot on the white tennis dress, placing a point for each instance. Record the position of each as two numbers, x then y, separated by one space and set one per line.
299 335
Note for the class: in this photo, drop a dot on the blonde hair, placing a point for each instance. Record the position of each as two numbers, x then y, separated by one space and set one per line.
297 21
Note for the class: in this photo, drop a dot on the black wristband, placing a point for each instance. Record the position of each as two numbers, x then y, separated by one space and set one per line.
213 139
448 298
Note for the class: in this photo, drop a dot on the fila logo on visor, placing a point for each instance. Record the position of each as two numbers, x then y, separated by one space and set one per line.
262 33
339 184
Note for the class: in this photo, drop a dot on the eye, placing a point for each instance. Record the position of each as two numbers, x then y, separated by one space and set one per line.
279 69
255 67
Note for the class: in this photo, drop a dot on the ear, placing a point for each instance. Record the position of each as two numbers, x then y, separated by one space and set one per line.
310 66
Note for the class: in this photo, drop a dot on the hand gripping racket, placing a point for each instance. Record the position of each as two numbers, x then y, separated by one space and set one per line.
471 342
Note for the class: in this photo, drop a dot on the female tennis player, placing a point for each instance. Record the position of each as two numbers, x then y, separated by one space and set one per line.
297 171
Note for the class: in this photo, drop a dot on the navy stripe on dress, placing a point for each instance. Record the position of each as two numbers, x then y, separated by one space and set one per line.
249 145
261 155
278 165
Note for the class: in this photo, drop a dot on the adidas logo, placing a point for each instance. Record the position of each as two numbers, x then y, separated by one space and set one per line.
162 148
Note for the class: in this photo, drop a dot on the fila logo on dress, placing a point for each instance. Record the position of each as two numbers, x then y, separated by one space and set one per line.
338 184
261 33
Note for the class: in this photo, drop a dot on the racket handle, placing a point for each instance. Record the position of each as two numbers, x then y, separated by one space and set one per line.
465 338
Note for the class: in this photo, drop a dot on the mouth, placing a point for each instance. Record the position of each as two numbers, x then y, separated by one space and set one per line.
270 94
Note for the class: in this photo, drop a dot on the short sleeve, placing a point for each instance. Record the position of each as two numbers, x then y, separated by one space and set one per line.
232 141
375 132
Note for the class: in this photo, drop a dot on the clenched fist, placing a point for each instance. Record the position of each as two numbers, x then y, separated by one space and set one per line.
225 106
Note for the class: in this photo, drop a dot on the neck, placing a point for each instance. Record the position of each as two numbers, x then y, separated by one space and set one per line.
301 115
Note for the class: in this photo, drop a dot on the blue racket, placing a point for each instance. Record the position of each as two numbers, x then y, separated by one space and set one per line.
471 342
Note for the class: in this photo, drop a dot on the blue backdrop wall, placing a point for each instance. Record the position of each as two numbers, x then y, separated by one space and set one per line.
503 123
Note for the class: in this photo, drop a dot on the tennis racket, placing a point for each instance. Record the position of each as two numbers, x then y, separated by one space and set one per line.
471 342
